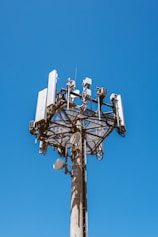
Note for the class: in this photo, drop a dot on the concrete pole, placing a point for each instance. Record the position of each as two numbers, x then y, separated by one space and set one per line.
78 213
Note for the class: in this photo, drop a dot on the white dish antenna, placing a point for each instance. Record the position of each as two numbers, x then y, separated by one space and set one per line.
59 164
76 92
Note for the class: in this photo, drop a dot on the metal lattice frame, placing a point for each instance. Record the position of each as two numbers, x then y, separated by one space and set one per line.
60 125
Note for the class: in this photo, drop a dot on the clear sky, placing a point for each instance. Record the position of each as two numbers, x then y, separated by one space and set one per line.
116 44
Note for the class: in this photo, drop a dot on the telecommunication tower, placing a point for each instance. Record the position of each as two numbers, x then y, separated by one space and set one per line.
75 124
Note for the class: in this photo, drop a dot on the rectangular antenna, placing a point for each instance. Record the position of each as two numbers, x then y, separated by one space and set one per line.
41 106
52 80
120 112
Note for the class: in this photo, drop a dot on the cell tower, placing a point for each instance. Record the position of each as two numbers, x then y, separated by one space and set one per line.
66 121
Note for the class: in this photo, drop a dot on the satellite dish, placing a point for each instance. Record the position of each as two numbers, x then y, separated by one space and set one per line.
76 92
59 164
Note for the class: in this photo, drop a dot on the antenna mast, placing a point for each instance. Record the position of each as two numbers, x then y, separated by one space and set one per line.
75 131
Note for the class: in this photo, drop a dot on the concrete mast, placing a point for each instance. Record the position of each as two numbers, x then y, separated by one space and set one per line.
78 211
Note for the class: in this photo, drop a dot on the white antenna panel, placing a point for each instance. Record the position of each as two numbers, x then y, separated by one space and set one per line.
120 111
52 80
41 105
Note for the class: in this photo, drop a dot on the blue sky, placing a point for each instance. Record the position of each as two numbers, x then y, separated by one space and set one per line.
114 43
